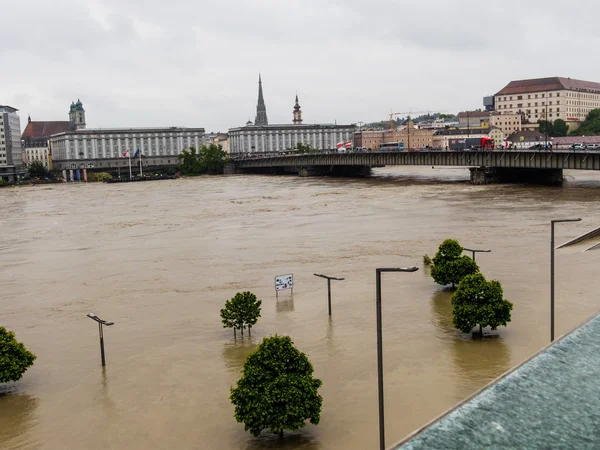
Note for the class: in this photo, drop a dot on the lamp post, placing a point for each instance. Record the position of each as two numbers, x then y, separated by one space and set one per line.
328 278
476 251
100 323
378 273
552 222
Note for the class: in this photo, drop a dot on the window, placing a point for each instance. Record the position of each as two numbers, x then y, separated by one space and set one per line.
520 97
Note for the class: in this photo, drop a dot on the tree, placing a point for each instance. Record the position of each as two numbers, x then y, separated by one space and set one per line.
304 148
15 359
590 126
449 267
277 390
210 159
241 311
213 159
479 302
37 169
546 126
560 128
190 162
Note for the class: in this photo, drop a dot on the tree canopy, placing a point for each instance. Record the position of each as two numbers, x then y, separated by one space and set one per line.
15 359
37 169
479 302
209 159
277 390
590 126
241 311
558 128
449 266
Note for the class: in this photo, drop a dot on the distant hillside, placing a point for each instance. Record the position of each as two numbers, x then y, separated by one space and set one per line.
402 120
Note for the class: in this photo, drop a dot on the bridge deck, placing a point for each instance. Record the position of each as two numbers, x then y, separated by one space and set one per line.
527 159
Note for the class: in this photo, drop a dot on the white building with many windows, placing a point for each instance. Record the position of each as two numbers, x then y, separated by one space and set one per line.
11 155
549 99
261 137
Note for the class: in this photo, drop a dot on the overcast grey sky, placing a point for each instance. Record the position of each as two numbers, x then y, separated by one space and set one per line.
166 63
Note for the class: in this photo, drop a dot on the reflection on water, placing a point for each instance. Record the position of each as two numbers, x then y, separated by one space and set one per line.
479 361
17 421
306 438
441 307
285 305
236 353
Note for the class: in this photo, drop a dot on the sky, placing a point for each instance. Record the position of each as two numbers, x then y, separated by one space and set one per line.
181 63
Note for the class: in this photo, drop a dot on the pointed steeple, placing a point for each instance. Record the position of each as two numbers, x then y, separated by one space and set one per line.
261 109
297 112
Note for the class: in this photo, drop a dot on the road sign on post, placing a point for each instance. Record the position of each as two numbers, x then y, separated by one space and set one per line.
283 282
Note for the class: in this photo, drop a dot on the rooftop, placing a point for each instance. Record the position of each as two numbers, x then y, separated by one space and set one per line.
550 401
549 84
8 108
45 129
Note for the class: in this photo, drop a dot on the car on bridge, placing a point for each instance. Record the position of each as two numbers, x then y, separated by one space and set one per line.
577 147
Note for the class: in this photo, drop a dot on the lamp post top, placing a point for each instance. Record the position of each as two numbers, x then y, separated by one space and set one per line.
99 320
398 269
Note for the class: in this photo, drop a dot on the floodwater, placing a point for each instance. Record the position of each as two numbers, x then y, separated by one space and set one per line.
160 259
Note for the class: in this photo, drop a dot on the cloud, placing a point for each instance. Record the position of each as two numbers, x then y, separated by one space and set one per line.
154 63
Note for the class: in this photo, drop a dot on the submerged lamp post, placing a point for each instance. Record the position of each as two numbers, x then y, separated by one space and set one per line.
100 323
552 222
328 278
380 348
476 251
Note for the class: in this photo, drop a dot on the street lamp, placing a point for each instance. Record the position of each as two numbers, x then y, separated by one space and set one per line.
476 251
552 222
100 323
328 278
378 273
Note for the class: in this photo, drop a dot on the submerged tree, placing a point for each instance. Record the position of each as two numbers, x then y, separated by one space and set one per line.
241 311
479 302
449 267
15 359
277 390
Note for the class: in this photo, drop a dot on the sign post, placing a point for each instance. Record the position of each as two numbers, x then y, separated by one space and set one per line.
328 278
283 282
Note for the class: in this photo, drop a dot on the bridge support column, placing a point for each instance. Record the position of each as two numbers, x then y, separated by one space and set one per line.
492 175
483 175
229 169
313 171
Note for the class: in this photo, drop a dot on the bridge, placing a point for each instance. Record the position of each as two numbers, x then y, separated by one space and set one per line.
486 167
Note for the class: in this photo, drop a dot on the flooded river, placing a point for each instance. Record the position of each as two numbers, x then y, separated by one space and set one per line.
160 259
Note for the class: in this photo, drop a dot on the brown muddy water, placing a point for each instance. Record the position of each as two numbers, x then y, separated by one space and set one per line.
161 258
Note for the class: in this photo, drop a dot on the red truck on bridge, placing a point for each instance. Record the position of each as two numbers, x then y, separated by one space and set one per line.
483 143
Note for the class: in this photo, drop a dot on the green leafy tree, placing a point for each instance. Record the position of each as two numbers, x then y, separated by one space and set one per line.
213 159
277 390
37 169
560 128
304 148
449 266
546 126
191 163
241 311
590 126
479 302
15 359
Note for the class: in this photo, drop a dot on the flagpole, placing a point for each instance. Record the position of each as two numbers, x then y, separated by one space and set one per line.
141 174
129 154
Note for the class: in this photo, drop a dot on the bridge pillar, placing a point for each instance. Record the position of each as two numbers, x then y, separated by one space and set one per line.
229 169
483 175
492 175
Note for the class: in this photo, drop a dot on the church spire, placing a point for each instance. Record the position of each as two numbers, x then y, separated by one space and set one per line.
297 112
261 109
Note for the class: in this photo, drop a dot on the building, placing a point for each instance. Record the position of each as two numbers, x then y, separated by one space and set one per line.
473 118
410 136
508 123
369 139
497 135
549 99
81 147
36 138
261 137
11 154
526 139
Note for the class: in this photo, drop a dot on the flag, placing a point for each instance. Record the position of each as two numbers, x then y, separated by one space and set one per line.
340 145
348 144
137 153
126 153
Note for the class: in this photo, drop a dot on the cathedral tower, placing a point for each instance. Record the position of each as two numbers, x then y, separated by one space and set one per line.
77 115
261 109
